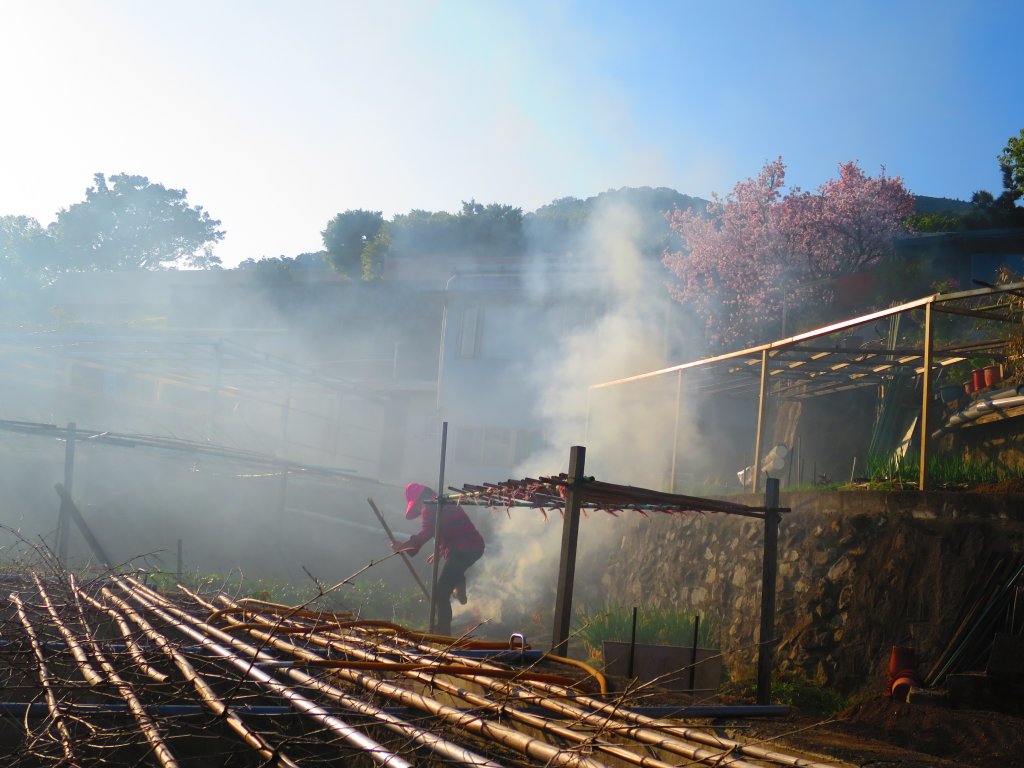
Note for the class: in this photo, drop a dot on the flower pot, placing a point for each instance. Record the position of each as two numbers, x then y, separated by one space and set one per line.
978 379
667 666
991 374
968 387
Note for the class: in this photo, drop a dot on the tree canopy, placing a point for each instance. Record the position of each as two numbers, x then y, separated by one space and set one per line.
347 234
759 253
129 222
1011 162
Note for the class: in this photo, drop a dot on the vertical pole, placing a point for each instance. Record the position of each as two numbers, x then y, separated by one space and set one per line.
215 392
437 529
286 412
586 423
567 561
693 651
926 393
64 520
441 352
180 568
756 466
675 431
769 571
632 646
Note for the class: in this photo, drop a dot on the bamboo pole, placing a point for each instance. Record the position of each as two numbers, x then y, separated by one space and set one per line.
755 467
393 540
926 392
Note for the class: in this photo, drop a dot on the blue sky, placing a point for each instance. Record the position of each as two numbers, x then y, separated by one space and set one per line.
276 116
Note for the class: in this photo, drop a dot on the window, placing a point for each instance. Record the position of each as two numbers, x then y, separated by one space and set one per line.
469 333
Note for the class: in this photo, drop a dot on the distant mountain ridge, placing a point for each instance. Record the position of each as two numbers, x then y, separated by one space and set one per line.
925 204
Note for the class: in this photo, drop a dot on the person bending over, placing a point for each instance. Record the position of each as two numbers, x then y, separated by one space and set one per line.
458 540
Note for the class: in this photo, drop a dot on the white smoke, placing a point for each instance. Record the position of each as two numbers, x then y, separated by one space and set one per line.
628 431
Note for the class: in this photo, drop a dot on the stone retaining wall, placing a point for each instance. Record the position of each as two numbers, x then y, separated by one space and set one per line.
859 572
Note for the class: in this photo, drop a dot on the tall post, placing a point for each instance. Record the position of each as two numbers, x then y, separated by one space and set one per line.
567 560
926 393
437 529
64 519
215 392
675 431
769 571
755 468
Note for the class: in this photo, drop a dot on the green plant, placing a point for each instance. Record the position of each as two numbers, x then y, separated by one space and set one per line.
654 626
794 690
807 695
943 471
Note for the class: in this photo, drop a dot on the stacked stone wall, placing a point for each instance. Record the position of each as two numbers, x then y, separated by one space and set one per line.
858 573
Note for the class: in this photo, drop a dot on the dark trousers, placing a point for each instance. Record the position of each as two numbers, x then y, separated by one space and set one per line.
454 570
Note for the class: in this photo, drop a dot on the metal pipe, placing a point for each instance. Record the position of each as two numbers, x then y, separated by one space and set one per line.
755 465
926 392
373 749
22 709
675 430
438 514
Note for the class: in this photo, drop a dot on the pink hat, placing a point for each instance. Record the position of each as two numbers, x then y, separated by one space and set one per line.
413 493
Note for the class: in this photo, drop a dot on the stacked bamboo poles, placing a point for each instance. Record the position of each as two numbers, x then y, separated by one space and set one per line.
549 493
324 667
600 719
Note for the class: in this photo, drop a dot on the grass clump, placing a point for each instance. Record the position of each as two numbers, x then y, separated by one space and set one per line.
794 690
949 472
654 626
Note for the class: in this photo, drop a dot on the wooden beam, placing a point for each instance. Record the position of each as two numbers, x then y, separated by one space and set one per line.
567 560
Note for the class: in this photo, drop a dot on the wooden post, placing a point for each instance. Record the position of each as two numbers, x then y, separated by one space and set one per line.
180 563
69 509
437 530
756 466
63 520
567 561
675 431
926 393
769 571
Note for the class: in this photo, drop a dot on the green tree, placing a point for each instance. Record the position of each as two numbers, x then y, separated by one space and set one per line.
26 249
130 223
991 211
492 229
347 234
1011 161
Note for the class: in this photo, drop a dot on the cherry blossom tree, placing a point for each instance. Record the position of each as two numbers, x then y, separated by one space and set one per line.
760 254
